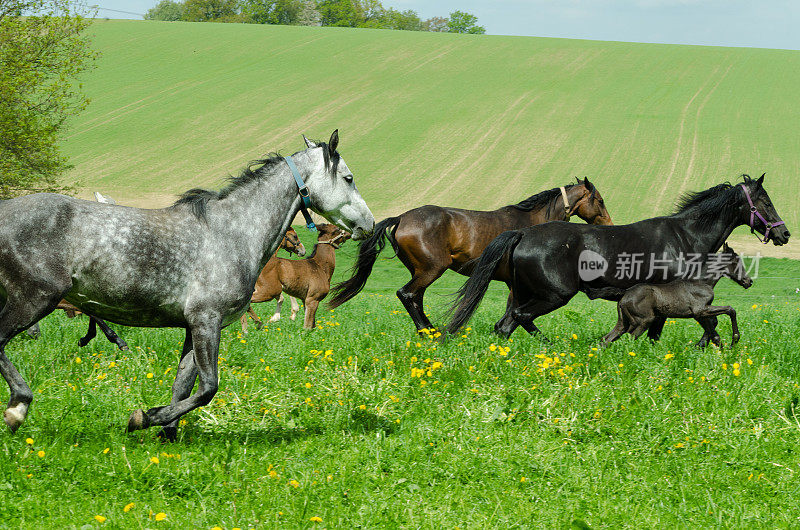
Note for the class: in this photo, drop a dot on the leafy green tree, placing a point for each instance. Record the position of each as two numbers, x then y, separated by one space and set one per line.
404 20
286 12
165 10
309 15
43 49
435 24
461 22
212 10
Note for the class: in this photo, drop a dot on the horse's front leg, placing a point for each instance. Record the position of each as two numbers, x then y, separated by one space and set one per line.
110 334
90 333
655 329
205 344
311 313
710 334
295 306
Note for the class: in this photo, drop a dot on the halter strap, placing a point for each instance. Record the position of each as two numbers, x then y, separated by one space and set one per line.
332 242
566 201
755 213
305 202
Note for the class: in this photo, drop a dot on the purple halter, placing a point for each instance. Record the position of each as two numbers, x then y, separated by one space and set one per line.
755 213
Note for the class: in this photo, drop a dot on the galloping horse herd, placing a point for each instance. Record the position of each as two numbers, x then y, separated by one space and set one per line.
199 263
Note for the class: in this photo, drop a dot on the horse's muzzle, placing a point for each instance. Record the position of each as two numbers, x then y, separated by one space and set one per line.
359 233
781 237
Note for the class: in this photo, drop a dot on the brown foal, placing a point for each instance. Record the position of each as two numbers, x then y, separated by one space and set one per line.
308 279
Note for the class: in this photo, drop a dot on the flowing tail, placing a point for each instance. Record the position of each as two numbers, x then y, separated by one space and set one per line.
367 255
471 293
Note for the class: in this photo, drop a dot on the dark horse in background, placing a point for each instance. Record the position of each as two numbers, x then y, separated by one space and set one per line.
431 239
544 260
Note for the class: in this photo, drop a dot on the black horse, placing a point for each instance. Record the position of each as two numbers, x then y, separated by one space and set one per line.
550 263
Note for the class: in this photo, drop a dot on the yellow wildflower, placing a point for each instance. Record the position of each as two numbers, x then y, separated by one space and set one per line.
160 516
41 454
293 483
100 519
29 441
316 519
128 507
154 459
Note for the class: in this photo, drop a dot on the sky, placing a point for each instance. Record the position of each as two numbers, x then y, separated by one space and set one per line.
747 23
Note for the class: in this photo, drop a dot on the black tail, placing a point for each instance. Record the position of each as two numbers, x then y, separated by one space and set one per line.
471 293
367 255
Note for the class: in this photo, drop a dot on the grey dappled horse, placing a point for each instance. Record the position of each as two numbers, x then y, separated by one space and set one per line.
192 265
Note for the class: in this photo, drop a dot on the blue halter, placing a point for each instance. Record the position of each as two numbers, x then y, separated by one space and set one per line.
305 202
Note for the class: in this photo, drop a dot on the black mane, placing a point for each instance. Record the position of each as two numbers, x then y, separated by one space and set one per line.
198 198
540 200
708 205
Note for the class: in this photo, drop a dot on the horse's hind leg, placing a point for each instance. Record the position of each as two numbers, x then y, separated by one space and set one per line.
527 312
506 325
182 387
205 345
619 329
109 333
295 306
277 316
18 314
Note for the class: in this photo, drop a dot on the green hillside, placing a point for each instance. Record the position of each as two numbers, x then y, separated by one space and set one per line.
472 121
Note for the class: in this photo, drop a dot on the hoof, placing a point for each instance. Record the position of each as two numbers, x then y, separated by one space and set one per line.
274 319
138 420
123 347
14 416
168 434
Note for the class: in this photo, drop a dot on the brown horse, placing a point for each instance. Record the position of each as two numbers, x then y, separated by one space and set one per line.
291 244
308 279
431 239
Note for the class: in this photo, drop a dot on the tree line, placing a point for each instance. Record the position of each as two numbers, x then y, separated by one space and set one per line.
342 13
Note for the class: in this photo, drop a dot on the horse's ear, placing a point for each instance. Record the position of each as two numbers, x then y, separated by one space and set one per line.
726 248
589 185
760 181
578 180
308 142
334 141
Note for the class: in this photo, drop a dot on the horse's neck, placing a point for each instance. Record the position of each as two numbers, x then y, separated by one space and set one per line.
257 214
704 238
517 218
325 258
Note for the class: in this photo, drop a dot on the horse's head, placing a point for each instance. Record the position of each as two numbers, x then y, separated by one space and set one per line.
333 192
332 234
734 267
291 243
589 204
759 213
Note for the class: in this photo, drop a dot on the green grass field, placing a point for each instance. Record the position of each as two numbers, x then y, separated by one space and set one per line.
461 120
361 423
